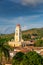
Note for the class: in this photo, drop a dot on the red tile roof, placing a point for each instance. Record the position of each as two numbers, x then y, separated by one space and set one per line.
18 25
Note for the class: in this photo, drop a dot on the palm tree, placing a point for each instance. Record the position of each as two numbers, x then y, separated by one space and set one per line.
4 50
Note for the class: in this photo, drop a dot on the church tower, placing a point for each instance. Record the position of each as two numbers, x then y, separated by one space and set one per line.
18 35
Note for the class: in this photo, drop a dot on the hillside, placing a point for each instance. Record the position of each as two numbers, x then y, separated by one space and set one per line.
38 31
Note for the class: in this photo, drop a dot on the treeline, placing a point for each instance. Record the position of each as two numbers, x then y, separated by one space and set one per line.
30 58
38 43
26 37
33 36
6 37
27 34
37 33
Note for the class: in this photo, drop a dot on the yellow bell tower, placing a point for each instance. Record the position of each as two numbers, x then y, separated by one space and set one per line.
18 35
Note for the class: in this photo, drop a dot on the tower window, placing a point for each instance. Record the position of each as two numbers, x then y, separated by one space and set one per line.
16 33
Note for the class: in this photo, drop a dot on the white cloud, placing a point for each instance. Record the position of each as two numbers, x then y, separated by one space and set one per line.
24 27
25 2
8 25
2 30
32 1
6 29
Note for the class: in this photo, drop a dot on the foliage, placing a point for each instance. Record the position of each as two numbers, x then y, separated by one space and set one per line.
26 37
36 32
4 50
39 43
30 58
34 58
17 59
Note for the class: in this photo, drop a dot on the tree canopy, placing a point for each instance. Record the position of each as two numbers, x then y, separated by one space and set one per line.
4 50
17 59
30 58
39 43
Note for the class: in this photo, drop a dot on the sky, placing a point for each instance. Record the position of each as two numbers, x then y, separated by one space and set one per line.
27 13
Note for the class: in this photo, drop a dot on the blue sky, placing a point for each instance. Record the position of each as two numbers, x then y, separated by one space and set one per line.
27 13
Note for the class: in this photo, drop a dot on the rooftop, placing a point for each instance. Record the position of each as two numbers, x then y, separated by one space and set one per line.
18 25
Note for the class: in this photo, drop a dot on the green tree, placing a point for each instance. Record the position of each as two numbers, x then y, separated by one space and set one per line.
32 58
17 59
39 43
26 37
4 50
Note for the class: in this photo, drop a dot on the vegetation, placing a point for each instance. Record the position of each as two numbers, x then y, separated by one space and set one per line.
7 37
30 58
32 34
26 35
36 32
39 43
17 59
4 50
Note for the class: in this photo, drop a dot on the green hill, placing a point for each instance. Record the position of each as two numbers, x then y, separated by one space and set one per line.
38 31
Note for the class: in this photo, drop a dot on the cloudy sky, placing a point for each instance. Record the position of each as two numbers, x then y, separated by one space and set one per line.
27 13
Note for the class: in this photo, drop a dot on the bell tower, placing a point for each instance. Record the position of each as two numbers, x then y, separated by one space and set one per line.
18 35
